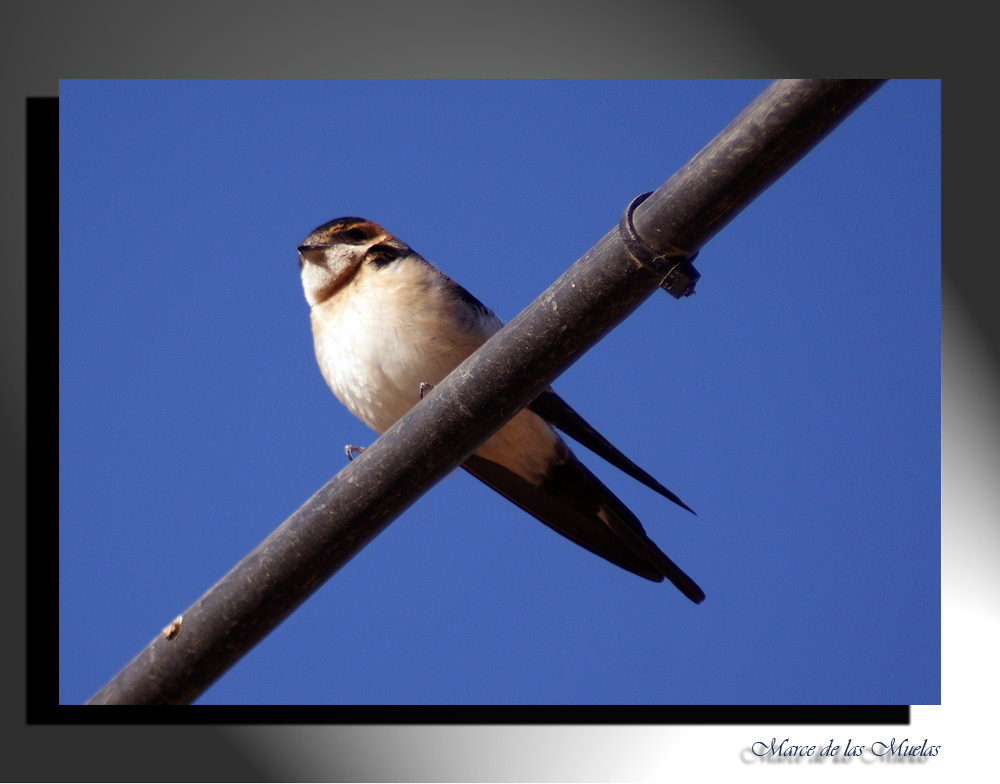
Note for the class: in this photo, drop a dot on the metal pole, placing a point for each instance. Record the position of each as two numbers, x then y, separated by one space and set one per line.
472 403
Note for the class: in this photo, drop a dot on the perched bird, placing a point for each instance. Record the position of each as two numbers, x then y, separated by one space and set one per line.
386 324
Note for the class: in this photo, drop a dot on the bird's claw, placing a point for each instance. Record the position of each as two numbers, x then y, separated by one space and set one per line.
353 450
425 387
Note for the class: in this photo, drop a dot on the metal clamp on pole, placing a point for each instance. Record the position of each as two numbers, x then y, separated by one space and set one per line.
678 274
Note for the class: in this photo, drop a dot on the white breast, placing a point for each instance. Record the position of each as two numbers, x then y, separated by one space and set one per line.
391 329
385 333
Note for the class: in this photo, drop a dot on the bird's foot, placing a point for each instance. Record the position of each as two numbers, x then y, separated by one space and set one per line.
353 450
424 387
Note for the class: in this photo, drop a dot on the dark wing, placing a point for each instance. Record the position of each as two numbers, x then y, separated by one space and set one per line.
557 412
576 504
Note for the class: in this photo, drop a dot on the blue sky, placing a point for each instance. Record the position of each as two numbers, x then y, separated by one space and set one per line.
794 402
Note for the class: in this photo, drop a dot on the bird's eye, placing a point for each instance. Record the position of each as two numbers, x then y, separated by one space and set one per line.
382 254
355 235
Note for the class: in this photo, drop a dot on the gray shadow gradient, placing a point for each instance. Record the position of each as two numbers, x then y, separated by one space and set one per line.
970 456
44 41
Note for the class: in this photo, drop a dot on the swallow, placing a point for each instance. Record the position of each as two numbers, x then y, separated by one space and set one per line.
387 325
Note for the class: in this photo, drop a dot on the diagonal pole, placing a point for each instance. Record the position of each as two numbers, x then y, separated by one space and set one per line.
612 279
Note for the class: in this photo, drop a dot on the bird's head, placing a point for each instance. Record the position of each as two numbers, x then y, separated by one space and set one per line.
334 252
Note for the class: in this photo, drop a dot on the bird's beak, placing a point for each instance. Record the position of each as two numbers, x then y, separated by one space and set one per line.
312 253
